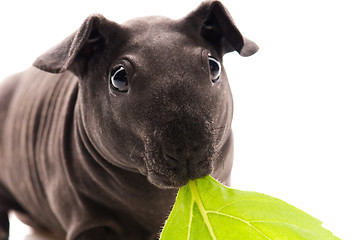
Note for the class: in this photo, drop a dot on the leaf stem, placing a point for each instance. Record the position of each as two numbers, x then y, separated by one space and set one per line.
195 194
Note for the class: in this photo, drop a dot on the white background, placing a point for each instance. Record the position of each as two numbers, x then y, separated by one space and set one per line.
297 118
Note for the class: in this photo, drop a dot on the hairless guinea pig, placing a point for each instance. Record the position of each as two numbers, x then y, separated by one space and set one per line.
99 134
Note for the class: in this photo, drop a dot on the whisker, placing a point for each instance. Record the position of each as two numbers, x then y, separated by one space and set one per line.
219 128
131 153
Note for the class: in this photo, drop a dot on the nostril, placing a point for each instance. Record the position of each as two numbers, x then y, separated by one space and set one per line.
173 162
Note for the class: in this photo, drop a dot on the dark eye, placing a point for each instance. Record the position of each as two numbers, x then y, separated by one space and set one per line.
215 69
119 79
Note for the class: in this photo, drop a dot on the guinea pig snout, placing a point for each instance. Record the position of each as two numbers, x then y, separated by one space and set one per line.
183 153
193 160
181 150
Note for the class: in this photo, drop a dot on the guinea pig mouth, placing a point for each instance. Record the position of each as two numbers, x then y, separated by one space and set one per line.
176 177
180 149
168 170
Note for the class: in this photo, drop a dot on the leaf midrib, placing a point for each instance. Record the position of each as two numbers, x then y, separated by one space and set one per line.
197 199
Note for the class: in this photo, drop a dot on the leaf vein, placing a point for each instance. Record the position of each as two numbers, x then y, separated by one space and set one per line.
199 203
241 220
190 218
219 209
244 200
285 223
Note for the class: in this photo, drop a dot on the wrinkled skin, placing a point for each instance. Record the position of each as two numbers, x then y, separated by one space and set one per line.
82 159
168 148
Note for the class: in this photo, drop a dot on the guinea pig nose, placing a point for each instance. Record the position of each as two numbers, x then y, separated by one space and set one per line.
180 157
174 162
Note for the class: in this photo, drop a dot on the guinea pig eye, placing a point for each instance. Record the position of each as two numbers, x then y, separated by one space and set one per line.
215 69
119 79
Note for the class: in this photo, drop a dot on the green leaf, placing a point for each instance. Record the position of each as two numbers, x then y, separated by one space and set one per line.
205 209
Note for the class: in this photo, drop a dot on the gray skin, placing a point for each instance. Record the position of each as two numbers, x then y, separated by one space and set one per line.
84 160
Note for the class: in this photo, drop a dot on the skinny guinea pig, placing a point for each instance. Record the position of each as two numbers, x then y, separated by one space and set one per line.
98 135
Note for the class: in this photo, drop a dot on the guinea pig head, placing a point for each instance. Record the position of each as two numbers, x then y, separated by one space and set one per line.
153 93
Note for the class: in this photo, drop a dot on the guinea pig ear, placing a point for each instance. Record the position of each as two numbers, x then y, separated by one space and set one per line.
218 28
71 53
